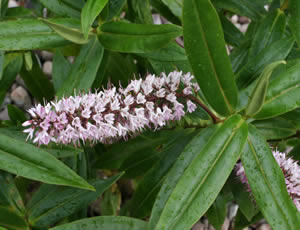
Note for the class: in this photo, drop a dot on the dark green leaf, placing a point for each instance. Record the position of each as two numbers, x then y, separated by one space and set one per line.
34 163
32 34
9 75
163 10
83 71
105 223
267 183
140 11
114 8
16 115
37 82
174 6
275 128
294 22
201 181
110 204
12 221
205 48
283 94
62 8
3 8
1 63
28 61
216 214
61 69
47 207
256 100
90 11
136 38
149 186
19 12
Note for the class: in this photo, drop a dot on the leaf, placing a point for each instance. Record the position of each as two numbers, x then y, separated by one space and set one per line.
114 8
105 223
15 114
164 11
9 75
140 11
1 63
283 94
37 82
34 163
3 8
11 220
206 52
62 8
277 51
147 189
258 96
201 181
70 34
267 183
90 11
61 69
27 34
83 71
28 61
294 22
47 208
275 128
216 214
136 38
111 202
174 6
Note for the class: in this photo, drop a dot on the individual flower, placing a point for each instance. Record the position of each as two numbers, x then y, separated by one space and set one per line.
291 172
113 113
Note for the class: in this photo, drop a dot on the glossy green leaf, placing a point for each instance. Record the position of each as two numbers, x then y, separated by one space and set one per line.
277 51
163 10
294 22
267 183
15 114
174 6
253 9
216 214
256 100
32 34
34 163
90 11
47 207
63 8
114 8
70 34
105 223
9 75
61 69
37 82
201 181
283 94
83 71
136 38
270 30
205 48
147 189
275 128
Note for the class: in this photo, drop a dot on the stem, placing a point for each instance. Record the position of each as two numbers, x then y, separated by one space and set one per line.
203 106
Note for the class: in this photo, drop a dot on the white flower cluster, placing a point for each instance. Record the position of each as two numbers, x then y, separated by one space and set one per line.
291 172
110 114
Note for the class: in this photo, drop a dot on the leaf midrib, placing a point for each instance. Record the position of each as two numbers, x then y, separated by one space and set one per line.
282 93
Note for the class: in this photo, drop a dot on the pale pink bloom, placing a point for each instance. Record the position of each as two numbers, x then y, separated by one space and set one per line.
191 107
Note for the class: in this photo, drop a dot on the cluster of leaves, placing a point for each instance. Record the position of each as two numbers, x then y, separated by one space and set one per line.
180 173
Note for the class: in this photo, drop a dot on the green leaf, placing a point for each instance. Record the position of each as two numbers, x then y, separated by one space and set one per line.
28 61
90 11
163 10
216 214
1 63
62 8
83 71
11 220
174 6
111 202
259 93
277 51
16 115
47 207
34 163
9 75
283 94
61 69
105 223
147 189
205 47
3 8
267 183
70 34
253 9
201 181
114 8
27 34
37 82
294 22
140 11
275 128
136 38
